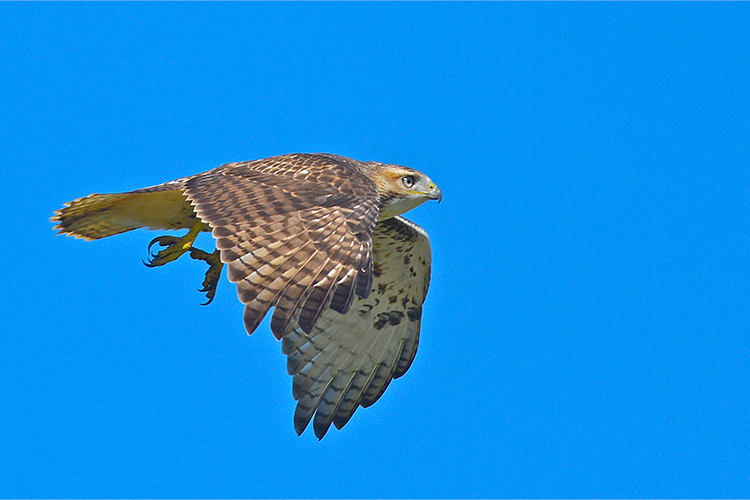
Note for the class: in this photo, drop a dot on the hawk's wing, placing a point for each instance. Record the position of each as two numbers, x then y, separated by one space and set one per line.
294 231
349 360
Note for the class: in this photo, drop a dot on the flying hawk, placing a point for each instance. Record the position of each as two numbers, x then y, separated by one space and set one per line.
319 238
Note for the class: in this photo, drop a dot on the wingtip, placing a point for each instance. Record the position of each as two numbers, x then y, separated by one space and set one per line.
300 422
321 428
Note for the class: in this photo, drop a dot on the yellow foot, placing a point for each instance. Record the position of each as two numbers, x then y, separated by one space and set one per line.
175 247
173 251
215 265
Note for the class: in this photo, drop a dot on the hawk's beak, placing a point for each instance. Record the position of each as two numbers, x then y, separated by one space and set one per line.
435 193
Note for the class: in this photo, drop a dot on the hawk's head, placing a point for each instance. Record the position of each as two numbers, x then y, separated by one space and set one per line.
402 188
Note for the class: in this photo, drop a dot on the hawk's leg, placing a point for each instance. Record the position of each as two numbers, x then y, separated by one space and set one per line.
213 274
175 246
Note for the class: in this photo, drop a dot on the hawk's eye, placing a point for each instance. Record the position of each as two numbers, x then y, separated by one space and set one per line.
408 180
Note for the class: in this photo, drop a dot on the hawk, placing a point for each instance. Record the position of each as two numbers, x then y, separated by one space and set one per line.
319 238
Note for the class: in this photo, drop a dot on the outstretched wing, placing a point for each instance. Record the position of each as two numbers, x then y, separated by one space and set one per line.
349 360
295 233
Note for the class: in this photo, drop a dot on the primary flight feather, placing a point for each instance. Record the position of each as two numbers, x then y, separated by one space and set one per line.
319 238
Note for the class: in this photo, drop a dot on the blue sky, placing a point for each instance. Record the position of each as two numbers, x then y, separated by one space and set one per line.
587 330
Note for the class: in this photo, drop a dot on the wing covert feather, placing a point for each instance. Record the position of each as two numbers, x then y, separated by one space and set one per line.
294 230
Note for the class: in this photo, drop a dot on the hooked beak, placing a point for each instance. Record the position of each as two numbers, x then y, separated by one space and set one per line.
435 193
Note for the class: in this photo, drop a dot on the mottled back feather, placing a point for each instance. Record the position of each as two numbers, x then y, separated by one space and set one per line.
294 230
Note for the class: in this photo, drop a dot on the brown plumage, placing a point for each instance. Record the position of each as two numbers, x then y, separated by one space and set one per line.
297 233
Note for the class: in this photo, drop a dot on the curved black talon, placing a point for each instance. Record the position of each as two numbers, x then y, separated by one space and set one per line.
173 247
213 274
151 244
209 290
210 284
156 257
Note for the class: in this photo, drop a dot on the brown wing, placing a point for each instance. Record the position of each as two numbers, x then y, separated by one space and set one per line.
348 360
295 232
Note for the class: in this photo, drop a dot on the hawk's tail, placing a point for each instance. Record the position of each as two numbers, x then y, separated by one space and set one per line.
100 215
